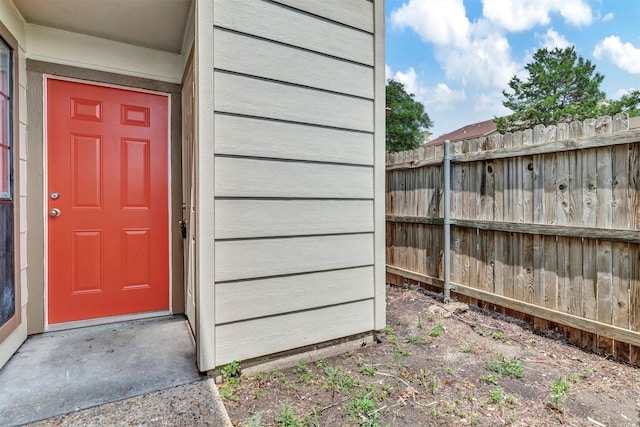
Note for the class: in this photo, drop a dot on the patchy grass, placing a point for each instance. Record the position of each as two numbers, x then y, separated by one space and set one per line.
460 380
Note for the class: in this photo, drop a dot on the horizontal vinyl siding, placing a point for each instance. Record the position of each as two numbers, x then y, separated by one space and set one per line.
248 136
245 259
248 96
358 14
267 297
263 58
285 25
294 182
241 177
259 337
246 218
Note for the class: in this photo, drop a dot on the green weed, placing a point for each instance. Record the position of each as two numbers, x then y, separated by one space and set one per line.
498 336
338 380
362 409
490 378
436 331
231 376
228 392
391 334
496 395
304 372
507 367
399 351
286 417
420 324
322 364
468 348
231 373
254 421
313 418
414 339
559 390
368 370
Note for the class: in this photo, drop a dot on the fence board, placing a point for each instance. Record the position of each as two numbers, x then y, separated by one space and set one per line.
498 214
456 212
604 281
473 196
634 224
550 242
589 246
620 250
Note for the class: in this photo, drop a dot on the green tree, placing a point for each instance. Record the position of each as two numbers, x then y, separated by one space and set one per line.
406 120
561 87
629 103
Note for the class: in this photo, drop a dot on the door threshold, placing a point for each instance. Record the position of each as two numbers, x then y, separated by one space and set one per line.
104 320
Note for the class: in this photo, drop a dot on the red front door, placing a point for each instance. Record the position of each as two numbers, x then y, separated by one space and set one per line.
107 205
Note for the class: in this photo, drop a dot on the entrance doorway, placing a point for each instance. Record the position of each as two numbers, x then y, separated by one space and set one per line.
107 201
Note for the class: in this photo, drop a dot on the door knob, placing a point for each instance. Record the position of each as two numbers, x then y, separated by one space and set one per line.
54 212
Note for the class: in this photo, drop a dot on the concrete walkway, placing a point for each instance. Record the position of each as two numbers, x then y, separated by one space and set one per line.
140 372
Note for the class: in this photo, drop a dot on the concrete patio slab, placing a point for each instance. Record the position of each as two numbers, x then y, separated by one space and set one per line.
61 372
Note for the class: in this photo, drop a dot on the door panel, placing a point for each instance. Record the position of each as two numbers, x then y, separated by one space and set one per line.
107 160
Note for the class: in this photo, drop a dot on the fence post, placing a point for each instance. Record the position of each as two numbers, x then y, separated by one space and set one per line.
446 253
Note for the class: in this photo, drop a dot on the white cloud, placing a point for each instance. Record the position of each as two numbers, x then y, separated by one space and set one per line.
436 21
409 80
552 39
486 61
607 17
437 98
519 15
387 72
624 55
442 97
575 12
490 103
620 93
468 52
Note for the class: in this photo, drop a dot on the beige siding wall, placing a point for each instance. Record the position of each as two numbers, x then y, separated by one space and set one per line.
14 23
295 229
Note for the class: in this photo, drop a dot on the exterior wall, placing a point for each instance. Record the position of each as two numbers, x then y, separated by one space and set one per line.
296 130
12 21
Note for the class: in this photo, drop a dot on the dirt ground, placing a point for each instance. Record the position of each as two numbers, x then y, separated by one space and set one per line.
440 364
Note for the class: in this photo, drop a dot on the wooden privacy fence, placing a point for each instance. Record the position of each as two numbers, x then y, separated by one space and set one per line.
545 222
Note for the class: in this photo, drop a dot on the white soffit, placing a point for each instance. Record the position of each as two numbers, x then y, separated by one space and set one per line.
155 24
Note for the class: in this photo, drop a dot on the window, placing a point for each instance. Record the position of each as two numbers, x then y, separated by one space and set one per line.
7 254
5 121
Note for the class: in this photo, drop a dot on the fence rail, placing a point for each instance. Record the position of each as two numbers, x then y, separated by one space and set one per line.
544 221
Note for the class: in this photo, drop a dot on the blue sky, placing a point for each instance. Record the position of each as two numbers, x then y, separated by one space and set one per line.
456 56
